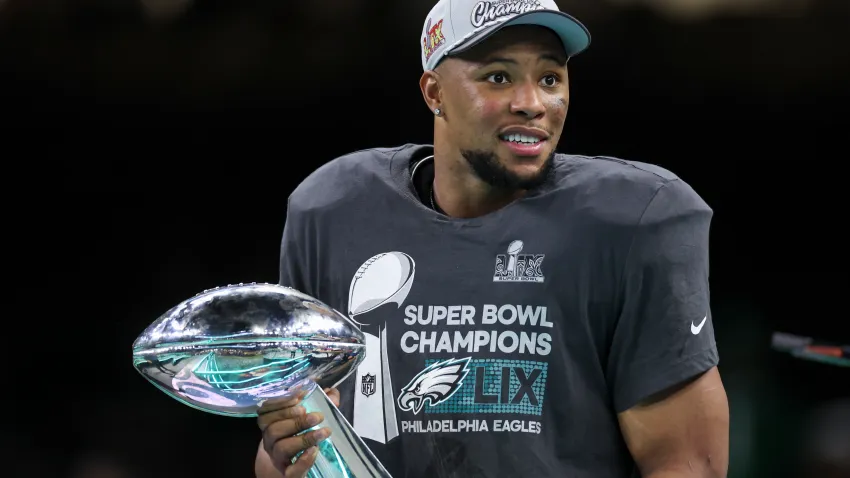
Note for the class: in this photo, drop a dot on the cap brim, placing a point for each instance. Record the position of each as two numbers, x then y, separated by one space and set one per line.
574 36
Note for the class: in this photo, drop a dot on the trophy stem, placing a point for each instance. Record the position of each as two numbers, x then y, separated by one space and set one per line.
343 454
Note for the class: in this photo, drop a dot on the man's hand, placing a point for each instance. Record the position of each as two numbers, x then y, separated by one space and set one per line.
280 422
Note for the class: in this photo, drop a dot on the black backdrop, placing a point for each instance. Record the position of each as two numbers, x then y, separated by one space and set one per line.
145 162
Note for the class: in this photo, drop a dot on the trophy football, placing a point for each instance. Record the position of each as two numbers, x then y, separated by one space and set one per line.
226 350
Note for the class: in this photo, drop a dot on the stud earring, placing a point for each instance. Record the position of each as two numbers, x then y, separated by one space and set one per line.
438 112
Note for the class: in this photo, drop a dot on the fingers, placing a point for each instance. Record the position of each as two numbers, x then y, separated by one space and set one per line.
333 394
280 429
286 414
283 450
282 422
279 403
302 465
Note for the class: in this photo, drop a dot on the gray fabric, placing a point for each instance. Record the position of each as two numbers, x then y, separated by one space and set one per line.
613 281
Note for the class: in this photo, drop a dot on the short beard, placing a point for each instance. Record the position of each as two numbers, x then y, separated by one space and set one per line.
487 167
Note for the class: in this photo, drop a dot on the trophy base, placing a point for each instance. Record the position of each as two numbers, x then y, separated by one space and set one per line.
343 454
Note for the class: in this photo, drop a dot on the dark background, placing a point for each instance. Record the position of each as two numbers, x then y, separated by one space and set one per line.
150 145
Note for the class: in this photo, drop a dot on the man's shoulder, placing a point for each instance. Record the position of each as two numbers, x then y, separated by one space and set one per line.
346 177
614 169
618 188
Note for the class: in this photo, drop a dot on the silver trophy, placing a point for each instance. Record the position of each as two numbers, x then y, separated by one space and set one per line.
226 350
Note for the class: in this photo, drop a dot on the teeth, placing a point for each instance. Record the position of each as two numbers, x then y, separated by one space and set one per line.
520 138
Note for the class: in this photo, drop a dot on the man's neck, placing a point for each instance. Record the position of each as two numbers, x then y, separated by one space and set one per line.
460 193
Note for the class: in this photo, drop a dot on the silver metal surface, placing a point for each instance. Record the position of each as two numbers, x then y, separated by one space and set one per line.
226 350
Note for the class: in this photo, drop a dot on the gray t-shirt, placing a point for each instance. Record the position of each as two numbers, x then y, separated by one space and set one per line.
505 345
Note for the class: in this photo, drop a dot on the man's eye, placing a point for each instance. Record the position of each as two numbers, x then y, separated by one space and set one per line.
549 80
498 78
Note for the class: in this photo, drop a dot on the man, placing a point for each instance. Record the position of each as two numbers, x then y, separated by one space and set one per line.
526 313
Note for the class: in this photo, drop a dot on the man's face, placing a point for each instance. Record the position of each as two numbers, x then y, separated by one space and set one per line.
506 101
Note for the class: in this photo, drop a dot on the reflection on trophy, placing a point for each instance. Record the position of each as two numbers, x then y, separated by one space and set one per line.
228 349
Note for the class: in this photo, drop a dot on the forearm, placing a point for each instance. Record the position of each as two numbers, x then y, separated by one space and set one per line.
681 464
679 474
692 469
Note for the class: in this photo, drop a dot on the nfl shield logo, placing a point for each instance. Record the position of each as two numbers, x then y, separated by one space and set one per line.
367 384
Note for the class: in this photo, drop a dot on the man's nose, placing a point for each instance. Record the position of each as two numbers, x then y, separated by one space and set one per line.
527 101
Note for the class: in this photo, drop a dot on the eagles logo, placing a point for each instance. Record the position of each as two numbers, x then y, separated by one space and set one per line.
436 384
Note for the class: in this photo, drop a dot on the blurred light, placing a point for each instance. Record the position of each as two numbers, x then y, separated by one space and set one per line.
701 9
164 10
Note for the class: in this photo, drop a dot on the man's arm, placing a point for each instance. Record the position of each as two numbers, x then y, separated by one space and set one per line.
662 367
682 432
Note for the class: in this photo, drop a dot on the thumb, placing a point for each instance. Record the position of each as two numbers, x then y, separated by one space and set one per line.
333 394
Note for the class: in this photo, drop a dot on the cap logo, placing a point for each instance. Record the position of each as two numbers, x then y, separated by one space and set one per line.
433 38
487 11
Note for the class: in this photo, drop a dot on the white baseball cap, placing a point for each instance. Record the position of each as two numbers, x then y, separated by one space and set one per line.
454 26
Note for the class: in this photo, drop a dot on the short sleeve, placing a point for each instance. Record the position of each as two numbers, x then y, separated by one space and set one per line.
293 267
664 333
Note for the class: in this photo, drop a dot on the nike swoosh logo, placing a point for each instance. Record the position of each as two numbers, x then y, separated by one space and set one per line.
696 328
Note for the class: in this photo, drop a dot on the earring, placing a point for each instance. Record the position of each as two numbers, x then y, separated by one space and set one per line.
438 112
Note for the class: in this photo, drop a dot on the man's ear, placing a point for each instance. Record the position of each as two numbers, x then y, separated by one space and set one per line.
431 90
